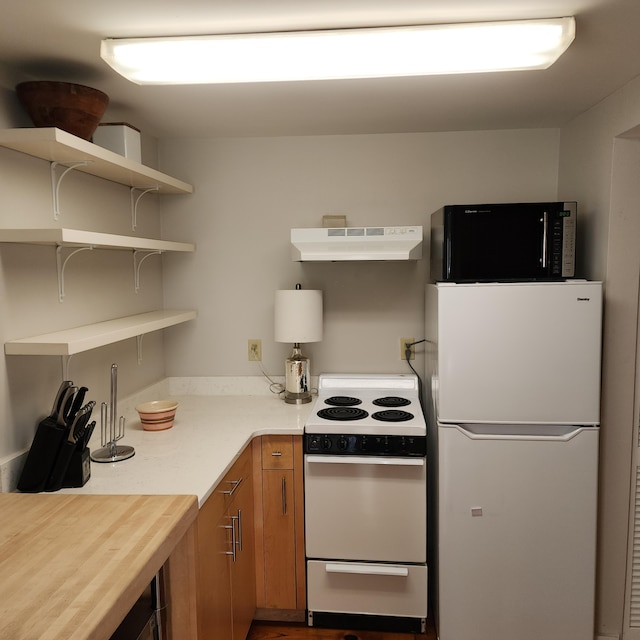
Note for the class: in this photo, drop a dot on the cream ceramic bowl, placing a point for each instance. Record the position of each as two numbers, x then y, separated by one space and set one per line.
157 414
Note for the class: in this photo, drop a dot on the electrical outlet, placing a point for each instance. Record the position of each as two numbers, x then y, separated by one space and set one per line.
255 350
403 348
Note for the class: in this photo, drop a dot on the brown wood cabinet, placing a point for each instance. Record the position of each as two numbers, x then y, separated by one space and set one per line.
226 561
280 571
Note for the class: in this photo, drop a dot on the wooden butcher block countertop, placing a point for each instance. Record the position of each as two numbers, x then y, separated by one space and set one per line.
71 566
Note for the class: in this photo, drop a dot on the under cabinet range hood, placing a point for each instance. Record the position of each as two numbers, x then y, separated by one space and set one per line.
356 243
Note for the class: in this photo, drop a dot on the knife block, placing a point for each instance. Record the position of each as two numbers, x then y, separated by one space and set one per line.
53 462
42 457
79 469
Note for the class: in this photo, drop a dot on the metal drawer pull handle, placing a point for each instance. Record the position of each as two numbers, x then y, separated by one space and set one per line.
235 483
367 569
232 526
239 519
276 453
284 496
372 460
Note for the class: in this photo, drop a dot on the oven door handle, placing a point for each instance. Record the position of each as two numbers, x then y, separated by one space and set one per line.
367 569
379 460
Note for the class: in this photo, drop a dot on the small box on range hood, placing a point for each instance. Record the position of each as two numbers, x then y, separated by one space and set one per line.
356 244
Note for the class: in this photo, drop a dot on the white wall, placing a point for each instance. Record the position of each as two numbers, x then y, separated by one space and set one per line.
250 192
604 171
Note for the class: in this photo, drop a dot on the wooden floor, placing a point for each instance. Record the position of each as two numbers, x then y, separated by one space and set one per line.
299 631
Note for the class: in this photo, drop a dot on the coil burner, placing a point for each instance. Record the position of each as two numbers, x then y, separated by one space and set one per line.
392 401
342 413
392 415
342 401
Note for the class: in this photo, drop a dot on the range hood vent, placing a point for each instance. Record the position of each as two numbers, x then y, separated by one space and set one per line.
356 243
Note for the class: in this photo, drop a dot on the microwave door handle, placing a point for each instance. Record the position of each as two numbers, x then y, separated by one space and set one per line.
545 232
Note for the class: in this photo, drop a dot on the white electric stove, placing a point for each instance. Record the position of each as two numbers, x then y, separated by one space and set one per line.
365 504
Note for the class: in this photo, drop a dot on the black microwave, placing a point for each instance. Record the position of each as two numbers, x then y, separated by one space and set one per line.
503 242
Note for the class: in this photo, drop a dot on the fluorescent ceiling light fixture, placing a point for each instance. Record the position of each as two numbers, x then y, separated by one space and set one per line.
343 53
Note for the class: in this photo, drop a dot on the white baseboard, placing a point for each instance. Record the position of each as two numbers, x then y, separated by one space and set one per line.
616 637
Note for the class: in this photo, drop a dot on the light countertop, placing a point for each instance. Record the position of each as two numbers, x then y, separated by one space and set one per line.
209 433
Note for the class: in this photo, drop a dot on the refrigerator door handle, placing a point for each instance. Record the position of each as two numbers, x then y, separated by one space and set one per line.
521 432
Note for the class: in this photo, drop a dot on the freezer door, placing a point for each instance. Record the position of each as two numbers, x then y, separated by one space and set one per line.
519 353
517 532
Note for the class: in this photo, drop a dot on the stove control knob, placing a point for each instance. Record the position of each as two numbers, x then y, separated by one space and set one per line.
343 443
364 443
326 443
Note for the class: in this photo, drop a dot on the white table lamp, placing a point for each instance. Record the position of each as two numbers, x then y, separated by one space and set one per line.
298 319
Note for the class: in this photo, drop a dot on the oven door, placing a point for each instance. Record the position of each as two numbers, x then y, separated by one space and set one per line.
366 508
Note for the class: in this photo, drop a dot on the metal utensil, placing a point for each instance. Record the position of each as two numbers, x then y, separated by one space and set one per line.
80 420
59 395
78 399
85 436
65 406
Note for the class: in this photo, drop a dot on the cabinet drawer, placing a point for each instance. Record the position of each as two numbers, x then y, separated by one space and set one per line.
277 452
368 588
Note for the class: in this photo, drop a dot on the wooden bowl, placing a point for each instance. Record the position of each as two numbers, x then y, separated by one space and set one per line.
71 107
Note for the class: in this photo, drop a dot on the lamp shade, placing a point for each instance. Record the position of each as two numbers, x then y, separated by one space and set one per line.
298 315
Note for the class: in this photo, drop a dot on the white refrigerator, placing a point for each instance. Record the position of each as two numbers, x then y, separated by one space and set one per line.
513 388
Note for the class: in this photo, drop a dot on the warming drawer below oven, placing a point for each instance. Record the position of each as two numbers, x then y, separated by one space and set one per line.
367 588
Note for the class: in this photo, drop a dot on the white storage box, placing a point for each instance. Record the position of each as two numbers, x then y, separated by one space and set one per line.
121 138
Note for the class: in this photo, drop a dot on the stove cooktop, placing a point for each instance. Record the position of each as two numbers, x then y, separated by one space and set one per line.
371 404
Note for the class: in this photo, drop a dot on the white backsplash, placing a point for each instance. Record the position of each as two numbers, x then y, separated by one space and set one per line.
223 386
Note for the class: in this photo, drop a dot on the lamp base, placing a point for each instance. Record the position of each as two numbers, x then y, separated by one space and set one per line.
297 398
296 386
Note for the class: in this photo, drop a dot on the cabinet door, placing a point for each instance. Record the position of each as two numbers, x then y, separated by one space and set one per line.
279 539
214 594
243 569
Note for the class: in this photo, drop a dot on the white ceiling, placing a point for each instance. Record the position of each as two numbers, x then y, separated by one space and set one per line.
60 40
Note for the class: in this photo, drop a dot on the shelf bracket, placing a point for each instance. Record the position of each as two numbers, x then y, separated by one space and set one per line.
56 180
65 366
135 200
138 263
62 265
139 345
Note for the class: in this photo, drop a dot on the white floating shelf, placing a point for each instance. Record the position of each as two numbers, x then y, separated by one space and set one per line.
77 238
92 336
55 145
